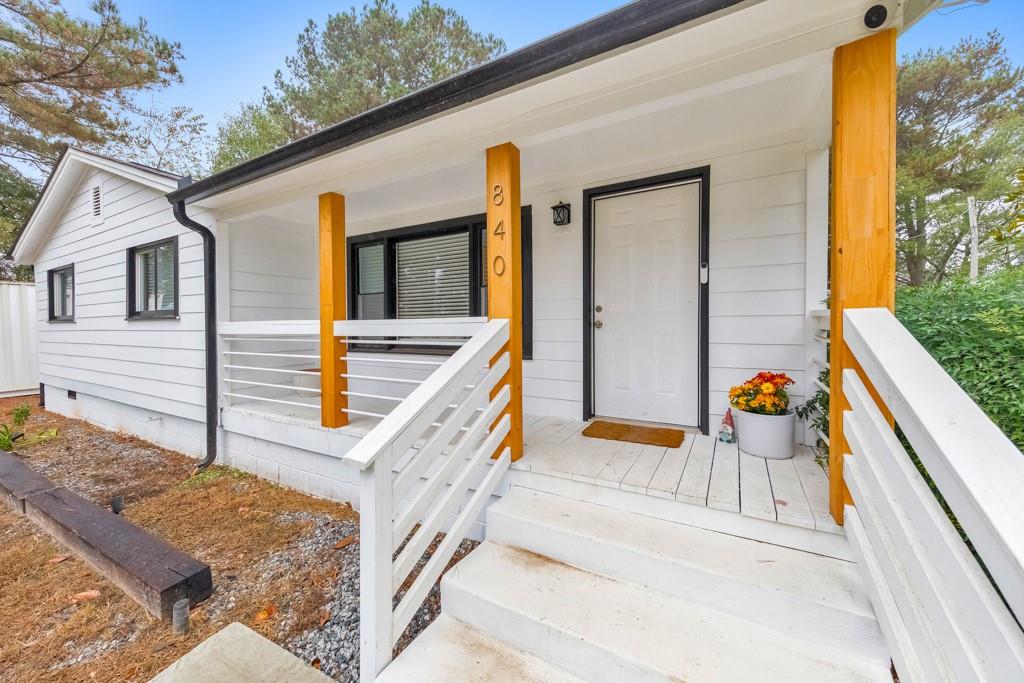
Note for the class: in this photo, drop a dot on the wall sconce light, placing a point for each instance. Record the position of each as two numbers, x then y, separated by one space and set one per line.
560 213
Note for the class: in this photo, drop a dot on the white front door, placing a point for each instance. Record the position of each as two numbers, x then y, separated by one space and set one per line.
646 311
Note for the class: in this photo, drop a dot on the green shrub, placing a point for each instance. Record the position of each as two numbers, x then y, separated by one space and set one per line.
976 332
20 414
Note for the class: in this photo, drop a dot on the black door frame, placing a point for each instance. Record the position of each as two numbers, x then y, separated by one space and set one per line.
701 174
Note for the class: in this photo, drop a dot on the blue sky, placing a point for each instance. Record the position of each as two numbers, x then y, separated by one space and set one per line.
231 52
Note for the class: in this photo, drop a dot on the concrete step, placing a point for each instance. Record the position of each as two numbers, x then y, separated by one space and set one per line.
449 651
602 629
815 598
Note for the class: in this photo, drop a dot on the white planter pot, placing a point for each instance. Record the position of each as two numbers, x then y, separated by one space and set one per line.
766 436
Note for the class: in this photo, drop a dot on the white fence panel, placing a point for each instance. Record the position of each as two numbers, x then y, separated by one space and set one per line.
19 365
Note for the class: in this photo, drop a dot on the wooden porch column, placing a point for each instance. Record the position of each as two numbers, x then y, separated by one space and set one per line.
863 213
505 275
332 307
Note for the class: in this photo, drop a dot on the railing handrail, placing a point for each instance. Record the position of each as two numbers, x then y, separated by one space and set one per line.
486 342
410 327
978 470
268 327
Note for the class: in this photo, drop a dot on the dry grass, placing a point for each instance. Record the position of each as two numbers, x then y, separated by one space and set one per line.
242 526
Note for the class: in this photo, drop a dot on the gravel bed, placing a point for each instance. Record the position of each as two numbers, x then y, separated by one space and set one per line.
334 646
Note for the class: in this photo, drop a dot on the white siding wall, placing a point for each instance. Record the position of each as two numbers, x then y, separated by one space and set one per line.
151 370
19 372
273 271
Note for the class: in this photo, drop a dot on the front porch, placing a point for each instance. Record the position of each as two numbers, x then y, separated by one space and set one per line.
703 472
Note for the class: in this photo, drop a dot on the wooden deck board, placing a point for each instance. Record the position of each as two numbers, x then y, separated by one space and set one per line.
724 489
693 485
791 505
638 478
588 468
619 464
665 479
814 480
755 489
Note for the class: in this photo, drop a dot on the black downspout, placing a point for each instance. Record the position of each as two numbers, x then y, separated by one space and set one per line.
210 307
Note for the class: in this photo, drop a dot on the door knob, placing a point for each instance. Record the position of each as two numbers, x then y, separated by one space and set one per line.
598 324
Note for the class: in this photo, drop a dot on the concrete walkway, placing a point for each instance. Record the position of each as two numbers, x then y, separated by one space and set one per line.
238 654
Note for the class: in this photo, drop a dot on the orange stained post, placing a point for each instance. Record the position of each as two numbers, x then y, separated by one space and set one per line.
332 307
863 221
505 275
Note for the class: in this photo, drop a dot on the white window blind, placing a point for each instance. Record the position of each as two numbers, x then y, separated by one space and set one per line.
433 276
155 278
372 300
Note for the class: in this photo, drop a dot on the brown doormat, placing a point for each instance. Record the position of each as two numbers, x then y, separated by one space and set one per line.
618 431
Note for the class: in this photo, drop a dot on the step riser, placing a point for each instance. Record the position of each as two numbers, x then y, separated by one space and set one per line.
566 650
784 612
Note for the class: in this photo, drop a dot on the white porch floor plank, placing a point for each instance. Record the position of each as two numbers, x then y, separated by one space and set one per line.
533 425
560 459
813 479
615 471
791 504
588 468
755 489
693 485
640 475
665 479
724 489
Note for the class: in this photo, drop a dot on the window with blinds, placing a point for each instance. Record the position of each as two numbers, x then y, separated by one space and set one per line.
433 277
371 302
435 270
153 280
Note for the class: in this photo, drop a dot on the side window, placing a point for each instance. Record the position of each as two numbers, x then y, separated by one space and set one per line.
60 284
371 301
152 271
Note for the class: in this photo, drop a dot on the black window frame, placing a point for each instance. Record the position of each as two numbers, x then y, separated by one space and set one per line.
50 295
476 226
131 313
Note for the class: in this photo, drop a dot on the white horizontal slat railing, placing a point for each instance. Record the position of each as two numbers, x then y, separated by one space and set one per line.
272 363
430 462
944 617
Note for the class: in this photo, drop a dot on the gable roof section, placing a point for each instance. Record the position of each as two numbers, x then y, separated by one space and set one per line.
61 184
632 23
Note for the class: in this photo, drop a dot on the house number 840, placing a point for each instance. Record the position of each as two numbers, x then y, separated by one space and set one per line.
498 264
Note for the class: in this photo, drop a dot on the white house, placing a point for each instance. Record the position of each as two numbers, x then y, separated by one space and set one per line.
420 308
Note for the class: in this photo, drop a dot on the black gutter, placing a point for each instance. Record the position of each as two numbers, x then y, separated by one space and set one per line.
629 24
210 308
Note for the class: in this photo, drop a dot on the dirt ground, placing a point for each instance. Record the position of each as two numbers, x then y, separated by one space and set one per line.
273 553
